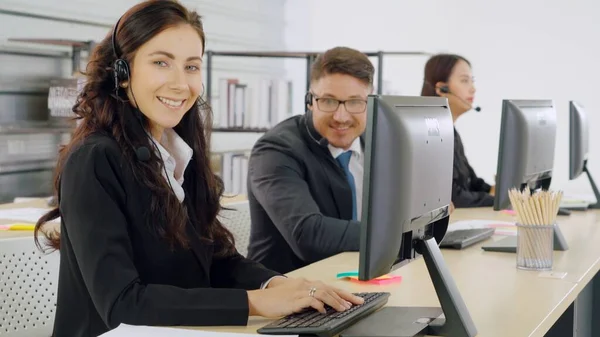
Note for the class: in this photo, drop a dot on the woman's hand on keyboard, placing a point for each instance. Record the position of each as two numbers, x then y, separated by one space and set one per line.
292 295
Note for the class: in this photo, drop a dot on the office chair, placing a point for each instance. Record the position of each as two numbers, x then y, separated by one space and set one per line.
28 286
237 220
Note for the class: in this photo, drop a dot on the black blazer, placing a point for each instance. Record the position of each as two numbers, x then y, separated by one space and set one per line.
113 270
300 200
468 190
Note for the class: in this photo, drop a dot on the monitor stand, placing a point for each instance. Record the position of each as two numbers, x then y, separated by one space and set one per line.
594 188
420 321
509 244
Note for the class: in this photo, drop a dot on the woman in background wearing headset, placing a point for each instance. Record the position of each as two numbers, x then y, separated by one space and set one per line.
140 242
450 76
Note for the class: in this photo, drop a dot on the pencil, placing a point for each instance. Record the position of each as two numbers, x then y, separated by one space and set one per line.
537 213
18 227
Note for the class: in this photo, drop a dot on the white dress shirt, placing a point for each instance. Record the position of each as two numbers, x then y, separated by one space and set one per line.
356 167
176 155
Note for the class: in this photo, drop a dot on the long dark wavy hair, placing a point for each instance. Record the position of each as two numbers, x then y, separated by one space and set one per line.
101 110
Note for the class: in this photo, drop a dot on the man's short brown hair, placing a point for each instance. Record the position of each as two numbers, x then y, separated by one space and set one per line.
343 60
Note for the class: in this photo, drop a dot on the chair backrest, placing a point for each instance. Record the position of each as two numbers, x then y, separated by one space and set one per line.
237 220
28 286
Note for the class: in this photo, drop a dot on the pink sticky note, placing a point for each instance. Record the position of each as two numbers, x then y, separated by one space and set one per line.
379 281
509 211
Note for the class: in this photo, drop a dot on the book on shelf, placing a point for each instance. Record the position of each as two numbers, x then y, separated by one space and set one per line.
232 167
256 104
62 96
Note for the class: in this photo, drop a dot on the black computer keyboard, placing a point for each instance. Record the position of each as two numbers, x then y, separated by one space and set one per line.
462 238
312 322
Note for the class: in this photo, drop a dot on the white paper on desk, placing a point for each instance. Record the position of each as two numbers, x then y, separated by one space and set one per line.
125 330
18 200
29 214
573 197
501 227
575 203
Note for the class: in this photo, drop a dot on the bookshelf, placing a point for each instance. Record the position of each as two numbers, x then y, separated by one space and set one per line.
33 126
77 49
253 107
308 56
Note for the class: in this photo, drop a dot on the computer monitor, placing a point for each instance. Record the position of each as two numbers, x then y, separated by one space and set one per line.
526 150
579 147
407 190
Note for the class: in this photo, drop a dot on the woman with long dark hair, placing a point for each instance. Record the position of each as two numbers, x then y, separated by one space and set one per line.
140 242
450 76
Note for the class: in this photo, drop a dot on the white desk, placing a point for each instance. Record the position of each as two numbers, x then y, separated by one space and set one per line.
502 300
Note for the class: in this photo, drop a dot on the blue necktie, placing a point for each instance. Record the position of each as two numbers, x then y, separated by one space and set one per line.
344 161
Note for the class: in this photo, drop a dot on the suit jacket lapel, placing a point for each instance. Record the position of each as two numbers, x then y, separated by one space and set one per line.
340 189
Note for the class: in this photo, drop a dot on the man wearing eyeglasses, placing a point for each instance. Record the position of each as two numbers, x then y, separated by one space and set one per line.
305 175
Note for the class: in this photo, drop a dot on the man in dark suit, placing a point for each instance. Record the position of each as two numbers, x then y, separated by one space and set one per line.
305 175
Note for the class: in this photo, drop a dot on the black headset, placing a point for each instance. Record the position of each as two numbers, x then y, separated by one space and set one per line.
120 66
446 90
443 89
308 98
121 73
321 141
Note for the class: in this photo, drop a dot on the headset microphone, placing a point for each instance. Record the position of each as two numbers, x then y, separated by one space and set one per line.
308 102
322 142
446 90
142 153
308 98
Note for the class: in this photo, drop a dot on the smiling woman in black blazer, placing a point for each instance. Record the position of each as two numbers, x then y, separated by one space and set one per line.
140 242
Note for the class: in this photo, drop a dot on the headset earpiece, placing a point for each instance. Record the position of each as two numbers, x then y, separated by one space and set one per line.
121 69
308 98
120 66
445 89
121 72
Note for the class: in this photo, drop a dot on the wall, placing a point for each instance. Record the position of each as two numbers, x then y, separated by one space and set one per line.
519 49
230 25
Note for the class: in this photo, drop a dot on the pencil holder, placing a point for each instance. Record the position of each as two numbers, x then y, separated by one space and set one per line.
535 247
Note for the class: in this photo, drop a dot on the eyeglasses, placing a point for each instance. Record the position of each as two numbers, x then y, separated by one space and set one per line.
353 106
